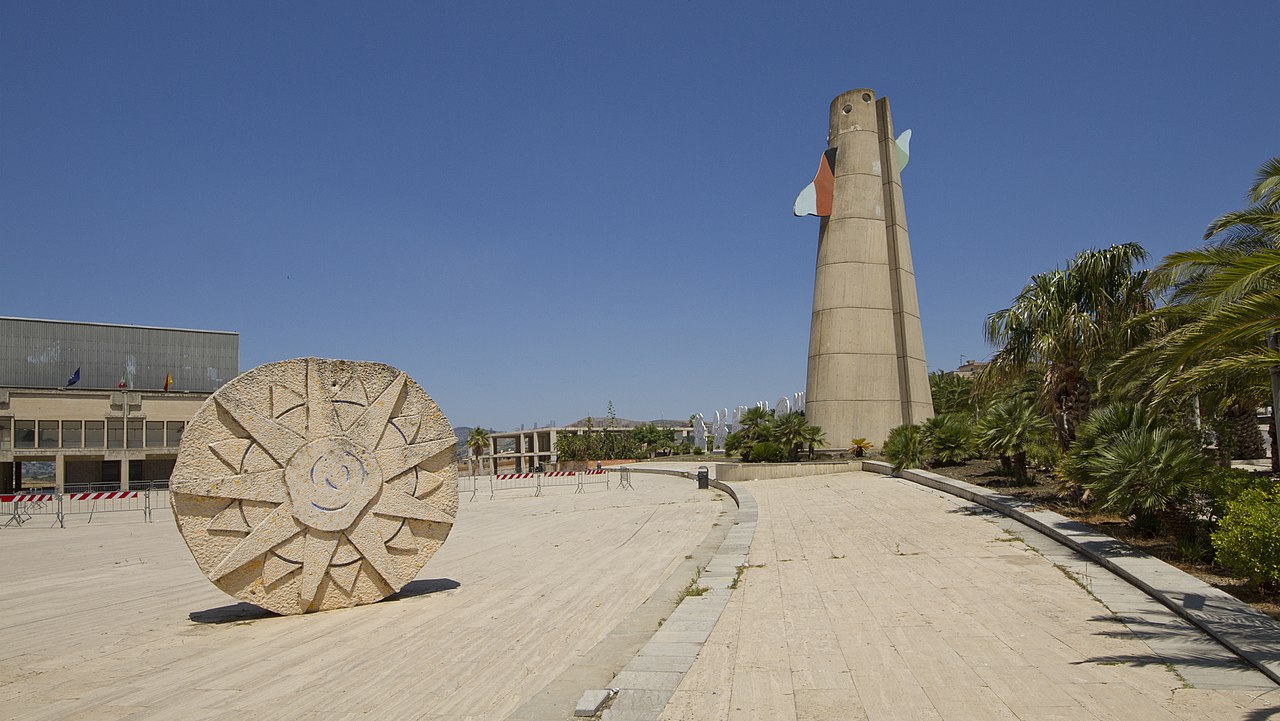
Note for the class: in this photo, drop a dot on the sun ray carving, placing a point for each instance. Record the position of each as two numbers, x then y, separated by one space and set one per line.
328 484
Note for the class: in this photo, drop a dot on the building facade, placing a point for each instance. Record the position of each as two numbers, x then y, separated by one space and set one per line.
91 398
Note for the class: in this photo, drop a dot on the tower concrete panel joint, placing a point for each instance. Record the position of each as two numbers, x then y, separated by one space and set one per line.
867 372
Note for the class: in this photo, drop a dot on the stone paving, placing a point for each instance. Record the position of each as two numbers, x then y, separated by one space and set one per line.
872 598
863 597
116 621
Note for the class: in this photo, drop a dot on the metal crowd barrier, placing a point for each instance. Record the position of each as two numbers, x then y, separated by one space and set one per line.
84 500
24 507
468 484
578 480
598 475
559 478
510 482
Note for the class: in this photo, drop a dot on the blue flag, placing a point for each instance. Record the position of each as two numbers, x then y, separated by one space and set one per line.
74 379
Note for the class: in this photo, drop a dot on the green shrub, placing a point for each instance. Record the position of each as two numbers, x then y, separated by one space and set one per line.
949 438
1248 538
735 444
1220 486
906 447
1144 472
767 452
697 450
1194 548
1102 423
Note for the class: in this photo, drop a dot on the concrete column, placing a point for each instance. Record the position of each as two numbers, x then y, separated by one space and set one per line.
59 472
124 473
859 384
913 372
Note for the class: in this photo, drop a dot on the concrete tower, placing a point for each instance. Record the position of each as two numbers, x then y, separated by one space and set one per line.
867 371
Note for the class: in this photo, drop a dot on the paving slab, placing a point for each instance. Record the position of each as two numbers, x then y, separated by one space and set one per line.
116 621
1247 632
868 597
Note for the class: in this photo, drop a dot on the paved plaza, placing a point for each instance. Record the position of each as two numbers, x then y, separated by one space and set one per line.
866 597
869 597
114 620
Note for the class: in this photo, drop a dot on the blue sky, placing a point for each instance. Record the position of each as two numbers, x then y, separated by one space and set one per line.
536 210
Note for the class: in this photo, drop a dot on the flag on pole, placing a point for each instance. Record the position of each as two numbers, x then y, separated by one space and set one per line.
74 379
168 381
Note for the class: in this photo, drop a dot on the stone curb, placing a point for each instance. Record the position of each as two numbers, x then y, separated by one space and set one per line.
1245 631
648 681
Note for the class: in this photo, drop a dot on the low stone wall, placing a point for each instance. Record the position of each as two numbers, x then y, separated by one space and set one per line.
735 472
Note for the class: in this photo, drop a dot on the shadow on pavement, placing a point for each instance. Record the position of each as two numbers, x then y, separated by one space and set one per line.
248 612
230 614
422 588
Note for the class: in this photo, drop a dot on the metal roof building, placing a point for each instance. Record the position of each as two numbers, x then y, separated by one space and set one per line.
45 353
90 399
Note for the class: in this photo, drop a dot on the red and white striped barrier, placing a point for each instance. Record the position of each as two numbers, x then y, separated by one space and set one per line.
555 474
102 496
26 506
510 476
594 472
26 497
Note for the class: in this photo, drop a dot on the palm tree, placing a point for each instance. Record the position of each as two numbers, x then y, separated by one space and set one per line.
478 442
756 424
789 432
1009 428
952 393
949 437
906 447
814 437
1220 324
1145 472
1069 323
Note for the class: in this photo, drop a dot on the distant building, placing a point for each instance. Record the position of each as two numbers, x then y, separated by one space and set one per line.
115 424
524 450
969 369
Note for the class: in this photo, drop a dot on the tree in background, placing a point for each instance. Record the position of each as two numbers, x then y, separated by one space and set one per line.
789 433
906 447
1069 324
952 393
1010 428
1219 327
650 439
949 438
478 442
814 436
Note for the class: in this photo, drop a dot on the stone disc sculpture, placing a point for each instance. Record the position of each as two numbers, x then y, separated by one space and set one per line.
313 484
